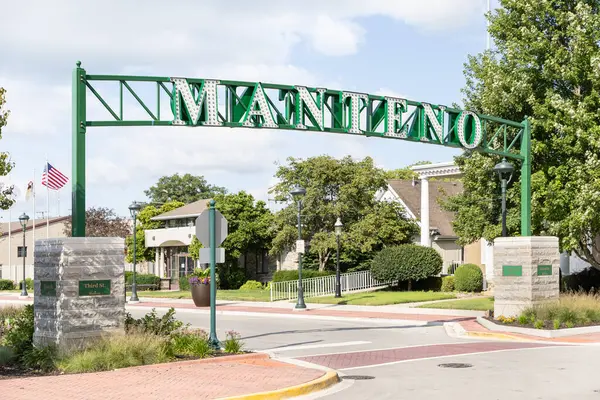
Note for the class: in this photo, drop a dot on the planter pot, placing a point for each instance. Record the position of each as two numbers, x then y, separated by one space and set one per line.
201 295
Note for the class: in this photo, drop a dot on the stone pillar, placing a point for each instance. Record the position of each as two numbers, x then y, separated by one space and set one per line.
526 273
79 290
425 235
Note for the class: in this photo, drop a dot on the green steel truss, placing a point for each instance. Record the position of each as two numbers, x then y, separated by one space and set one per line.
166 101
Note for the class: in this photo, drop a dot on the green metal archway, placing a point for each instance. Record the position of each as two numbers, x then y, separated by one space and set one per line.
206 102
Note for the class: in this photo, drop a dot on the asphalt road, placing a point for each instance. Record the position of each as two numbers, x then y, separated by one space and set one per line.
402 360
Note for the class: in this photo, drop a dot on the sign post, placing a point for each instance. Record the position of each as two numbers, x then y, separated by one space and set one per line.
214 341
211 231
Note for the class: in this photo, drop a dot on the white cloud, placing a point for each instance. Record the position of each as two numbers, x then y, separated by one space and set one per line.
334 37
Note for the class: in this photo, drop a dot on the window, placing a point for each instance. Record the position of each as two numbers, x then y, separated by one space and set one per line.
20 251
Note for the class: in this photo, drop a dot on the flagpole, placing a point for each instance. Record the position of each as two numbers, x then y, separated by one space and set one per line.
33 194
47 201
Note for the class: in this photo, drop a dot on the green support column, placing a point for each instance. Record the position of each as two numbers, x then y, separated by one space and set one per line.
78 164
526 180
212 241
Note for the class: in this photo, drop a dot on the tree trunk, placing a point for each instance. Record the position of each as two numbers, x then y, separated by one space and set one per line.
409 285
323 261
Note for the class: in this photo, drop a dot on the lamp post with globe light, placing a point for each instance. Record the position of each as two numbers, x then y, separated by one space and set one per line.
134 209
338 233
23 219
505 170
298 193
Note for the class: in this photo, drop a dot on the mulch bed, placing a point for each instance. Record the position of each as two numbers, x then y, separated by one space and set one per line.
548 325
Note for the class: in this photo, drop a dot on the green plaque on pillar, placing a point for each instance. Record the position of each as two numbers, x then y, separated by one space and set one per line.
48 288
94 288
544 270
512 270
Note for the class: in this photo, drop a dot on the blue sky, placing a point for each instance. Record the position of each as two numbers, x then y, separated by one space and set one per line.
397 47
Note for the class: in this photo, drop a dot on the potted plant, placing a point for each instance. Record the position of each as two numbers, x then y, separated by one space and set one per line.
200 287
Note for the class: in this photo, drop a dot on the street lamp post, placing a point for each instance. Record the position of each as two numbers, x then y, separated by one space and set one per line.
298 193
505 170
134 208
338 233
24 218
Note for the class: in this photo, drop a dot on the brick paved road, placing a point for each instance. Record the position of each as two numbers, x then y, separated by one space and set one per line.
181 380
377 357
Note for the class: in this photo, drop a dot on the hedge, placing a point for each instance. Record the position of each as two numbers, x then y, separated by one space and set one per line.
251 285
6 284
407 262
143 279
468 278
448 284
292 275
587 280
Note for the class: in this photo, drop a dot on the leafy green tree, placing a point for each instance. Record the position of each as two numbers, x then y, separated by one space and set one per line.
545 66
145 222
405 173
186 188
6 200
250 230
344 188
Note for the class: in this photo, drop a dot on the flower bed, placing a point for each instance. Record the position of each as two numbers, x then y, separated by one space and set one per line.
571 311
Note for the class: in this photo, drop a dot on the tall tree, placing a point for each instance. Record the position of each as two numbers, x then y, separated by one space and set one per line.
545 66
185 188
102 222
6 200
144 222
338 188
250 231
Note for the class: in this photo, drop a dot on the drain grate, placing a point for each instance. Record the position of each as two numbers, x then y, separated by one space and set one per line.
455 365
358 377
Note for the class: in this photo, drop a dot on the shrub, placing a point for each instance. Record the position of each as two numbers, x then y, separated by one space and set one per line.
41 358
233 344
153 324
191 342
572 309
6 284
252 285
19 336
118 352
128 276
28 284
282 276
407 262
538 324
586 280
184 282
468 278
448 284
144 279
7 356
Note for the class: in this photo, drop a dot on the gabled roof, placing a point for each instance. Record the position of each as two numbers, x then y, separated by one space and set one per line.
439 218
15 226
188 211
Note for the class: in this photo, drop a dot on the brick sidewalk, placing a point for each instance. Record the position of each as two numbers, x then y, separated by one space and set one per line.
203 379
474 327
313 312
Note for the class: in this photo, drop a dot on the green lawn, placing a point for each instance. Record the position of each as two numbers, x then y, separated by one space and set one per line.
241 295
381 298
12 291
477 304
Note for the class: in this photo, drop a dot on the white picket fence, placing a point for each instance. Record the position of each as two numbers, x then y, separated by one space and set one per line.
325 285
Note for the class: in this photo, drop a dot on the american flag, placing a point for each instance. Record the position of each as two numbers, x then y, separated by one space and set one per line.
53 178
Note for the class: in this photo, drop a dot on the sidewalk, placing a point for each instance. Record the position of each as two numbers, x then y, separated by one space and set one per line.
245 377
321 311
474 329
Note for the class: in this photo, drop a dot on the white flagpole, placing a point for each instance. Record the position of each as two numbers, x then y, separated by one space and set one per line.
34 215
9 238
47 201
58 203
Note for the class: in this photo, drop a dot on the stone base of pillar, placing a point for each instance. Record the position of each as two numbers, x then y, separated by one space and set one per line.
79 290
526 273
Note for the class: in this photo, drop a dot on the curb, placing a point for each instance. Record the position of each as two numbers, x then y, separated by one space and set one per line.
498 336
329 379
